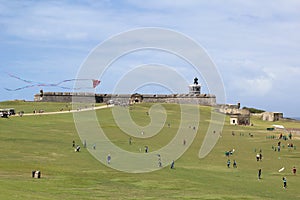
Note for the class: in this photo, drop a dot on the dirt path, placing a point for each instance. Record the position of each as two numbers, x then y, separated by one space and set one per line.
71 111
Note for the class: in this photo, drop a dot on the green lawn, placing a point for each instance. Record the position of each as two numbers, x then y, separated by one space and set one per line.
45 143
29 107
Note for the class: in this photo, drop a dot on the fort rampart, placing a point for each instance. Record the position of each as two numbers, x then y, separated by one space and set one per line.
201 99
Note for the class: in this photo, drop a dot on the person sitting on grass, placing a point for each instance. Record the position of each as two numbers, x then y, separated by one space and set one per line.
77 148
257 157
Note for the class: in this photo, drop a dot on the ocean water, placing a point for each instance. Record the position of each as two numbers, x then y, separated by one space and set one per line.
296 118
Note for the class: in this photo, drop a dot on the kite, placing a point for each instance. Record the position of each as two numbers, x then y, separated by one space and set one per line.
95 83
30 83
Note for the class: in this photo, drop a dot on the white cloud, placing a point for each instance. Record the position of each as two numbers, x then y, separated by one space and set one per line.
253 43
59 21
258 86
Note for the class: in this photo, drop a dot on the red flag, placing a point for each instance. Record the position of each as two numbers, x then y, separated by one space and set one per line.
95 83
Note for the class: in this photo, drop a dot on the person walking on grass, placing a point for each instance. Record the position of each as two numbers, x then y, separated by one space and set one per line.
260 156
234 164
228 163
172 165
259 174
108 159
284 182
294 170
130 141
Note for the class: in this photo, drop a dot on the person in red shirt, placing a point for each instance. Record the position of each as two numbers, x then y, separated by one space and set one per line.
294 170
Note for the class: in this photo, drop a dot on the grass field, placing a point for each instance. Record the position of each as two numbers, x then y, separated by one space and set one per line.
44 142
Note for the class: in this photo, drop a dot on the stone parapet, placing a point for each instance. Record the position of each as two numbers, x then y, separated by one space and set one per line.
202 99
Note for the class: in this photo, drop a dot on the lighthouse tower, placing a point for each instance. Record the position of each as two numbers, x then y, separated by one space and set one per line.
195 88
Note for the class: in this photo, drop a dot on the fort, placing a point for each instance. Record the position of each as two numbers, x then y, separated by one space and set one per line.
237 115
201 99
193 97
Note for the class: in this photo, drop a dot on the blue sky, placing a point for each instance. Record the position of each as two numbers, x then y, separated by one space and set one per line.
254 44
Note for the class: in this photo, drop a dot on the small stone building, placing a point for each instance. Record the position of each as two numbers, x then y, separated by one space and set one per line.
240 119
272 116
234 119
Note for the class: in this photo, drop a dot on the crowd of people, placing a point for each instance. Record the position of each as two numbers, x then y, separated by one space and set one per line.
278 147
259 156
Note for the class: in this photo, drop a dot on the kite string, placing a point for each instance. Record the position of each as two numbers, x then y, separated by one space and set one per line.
39 84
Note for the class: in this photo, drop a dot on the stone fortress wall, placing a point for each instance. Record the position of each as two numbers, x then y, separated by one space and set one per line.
201 99
193 97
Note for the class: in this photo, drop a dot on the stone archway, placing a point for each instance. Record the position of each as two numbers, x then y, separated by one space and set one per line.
136 98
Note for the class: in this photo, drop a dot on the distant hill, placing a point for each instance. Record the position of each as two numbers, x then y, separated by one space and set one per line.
254 110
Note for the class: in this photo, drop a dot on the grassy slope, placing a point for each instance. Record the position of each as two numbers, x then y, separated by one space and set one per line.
45 143
29 107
